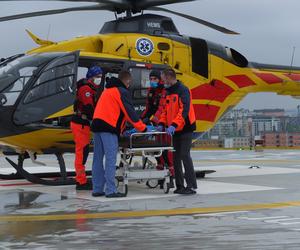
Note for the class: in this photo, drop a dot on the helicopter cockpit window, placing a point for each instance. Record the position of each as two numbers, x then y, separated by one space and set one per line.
15 74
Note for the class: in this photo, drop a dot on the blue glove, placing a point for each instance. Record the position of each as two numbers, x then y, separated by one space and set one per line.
160 128
132 131
171 130
150 128
127 133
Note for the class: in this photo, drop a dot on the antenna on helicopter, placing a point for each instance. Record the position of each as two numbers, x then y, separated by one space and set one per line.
292 61
48 34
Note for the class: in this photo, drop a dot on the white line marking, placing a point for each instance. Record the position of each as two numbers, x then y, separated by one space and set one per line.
290 223
220 214
280 220
262 218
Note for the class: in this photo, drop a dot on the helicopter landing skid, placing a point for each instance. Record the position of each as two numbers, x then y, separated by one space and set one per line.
62 180
10 176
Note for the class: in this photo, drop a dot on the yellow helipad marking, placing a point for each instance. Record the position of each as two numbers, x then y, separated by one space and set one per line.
148 213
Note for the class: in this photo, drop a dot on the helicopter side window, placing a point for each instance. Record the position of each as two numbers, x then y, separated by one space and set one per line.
81 72
140 82
49 88
199 56
55 79
54 73
110 69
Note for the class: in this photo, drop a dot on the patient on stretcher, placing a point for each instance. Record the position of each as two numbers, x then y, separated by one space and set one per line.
132 139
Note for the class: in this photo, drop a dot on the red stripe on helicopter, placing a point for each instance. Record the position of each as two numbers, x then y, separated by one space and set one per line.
241 80
269 78
214 91
294 77
206 112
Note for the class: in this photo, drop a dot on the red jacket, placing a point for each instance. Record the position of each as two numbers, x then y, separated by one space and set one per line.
179 110
85 102
114 108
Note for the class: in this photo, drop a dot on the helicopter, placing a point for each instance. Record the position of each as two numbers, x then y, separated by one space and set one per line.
37 88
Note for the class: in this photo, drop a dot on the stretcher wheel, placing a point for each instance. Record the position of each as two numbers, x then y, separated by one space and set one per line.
125 189
118 179
166 187
152 183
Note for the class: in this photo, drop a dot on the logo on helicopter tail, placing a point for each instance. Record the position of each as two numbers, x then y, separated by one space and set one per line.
144 46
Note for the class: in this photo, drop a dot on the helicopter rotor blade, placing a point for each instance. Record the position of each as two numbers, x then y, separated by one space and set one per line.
118 5
197 20
145 4
55 11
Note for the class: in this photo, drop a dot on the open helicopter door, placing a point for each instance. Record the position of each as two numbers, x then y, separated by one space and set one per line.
140 74
52 91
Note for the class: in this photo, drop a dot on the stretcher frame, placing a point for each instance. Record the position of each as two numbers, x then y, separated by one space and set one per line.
127 171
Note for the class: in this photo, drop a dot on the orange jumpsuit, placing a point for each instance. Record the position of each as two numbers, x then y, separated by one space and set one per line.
80 125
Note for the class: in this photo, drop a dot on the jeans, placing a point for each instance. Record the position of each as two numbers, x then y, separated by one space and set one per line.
182 144
105 144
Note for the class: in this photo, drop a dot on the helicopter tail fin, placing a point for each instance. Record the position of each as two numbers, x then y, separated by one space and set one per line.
38 40
283 80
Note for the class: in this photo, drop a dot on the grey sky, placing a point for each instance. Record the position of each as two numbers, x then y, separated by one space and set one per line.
269 30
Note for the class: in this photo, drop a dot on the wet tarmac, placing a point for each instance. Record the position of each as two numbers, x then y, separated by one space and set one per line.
237 207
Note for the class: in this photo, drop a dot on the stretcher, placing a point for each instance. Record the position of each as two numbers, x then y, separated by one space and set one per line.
144 147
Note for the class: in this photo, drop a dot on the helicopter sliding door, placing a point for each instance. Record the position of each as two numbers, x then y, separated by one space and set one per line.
52 91
140 73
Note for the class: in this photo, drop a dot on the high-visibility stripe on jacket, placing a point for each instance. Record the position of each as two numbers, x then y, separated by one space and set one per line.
179 110
153 102
162 103
114 108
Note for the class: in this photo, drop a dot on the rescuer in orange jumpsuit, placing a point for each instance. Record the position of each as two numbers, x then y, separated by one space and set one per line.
178 117
84 106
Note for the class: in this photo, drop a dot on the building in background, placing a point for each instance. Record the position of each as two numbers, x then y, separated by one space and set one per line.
269 112
240 128
237 142
283 139
262 124
233 124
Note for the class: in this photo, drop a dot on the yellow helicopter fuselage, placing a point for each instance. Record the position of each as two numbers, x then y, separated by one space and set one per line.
221 80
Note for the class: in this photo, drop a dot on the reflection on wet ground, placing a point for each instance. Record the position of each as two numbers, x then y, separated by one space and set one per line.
14 200
176 232
273 226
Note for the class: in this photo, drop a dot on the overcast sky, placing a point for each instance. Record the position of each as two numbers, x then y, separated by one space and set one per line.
269 31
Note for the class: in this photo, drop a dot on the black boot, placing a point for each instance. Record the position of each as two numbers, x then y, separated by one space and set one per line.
161 183
85 186
172 182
